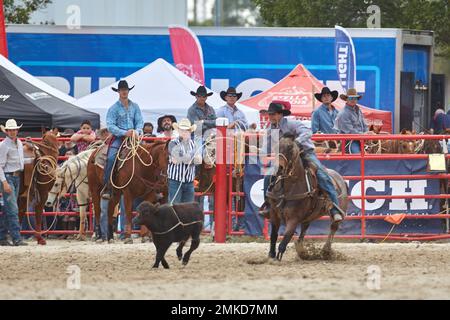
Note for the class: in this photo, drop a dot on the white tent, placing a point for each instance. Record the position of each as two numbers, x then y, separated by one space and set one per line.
160 89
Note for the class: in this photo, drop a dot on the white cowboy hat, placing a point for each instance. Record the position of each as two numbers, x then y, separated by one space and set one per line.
11 124
184 124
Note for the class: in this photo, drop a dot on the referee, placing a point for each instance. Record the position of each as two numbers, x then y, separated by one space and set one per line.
183 157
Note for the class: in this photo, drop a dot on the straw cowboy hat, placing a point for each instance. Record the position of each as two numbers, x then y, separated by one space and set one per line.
351 93
11 124
122 85
184 124
326 90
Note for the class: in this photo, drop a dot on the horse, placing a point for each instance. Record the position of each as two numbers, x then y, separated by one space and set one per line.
142 174
406 146
296 199
73 172
36 186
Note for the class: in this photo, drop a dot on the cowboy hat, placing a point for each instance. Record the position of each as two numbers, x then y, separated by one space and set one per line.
326 90
67 133
184 124
230 91
11 124
122 85
351 93
201 91
283 107
160 120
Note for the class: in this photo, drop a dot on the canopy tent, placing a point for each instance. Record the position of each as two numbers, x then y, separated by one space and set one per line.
160 89
35 104
299 87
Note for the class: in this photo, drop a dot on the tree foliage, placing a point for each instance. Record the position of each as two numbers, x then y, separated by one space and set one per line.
19 12
405 14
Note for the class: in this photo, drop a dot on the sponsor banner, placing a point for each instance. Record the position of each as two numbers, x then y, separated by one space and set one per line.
345 59
255 181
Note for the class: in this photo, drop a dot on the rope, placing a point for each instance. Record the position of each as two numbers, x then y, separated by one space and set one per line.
50 171
178 224
133 144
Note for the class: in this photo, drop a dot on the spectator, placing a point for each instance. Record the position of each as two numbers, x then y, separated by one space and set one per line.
323 118
148 129
84 137
165 127
68 145
438 121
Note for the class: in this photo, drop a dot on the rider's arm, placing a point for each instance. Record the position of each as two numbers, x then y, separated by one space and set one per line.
111 123
304 135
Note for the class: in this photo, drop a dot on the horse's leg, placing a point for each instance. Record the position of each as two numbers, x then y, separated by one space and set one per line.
299 245
97 212
326 251
291 224
275 223
83 199
128 200
38 209
111 206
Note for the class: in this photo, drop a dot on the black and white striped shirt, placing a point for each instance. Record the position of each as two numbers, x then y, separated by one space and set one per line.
181 160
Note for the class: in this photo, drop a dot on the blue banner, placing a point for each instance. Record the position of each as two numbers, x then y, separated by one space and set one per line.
254 185
345 59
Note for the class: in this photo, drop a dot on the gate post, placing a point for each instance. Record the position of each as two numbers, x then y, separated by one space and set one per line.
221 190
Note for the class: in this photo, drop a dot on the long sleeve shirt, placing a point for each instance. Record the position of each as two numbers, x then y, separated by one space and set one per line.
295 127
205 114
351 121
233 114
120 119
11 157
182 160
323 120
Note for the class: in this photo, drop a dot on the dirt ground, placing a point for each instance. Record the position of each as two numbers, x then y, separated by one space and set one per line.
230 271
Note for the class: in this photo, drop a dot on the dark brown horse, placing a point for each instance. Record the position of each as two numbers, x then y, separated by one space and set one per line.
296 200
145 181
37 181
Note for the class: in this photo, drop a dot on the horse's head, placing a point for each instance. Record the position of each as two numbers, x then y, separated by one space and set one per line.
375 129
59 187
407 146
50 141
288 152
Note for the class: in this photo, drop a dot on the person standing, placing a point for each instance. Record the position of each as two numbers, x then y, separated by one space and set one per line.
124 119
84 137
11 166
323 118
351 119
236 118
200 113
183 156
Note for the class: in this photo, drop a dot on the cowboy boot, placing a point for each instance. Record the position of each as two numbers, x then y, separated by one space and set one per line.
98 233
106 193
264 210
337 213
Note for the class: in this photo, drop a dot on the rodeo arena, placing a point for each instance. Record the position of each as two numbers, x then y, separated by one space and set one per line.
214 163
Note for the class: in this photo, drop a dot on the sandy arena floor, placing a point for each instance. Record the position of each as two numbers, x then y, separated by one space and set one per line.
231 271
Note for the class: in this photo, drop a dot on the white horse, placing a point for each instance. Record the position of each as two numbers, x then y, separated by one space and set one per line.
73 172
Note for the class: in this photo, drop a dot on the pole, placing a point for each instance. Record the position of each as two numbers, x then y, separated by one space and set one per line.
220 195
3 43
218 13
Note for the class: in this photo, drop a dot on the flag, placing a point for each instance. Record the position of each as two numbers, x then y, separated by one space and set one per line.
395 218
187 53
345 59
3 44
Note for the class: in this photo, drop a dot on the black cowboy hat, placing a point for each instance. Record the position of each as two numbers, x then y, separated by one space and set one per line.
122 85
326 90
231 91
283 107
160 120
201 91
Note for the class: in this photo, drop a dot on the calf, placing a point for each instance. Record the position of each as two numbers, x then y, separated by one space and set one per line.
170 224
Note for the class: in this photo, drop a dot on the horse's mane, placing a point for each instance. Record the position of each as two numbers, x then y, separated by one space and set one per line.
289 136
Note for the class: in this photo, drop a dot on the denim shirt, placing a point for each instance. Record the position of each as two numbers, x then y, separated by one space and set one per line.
295 127
233 114
351 121
207 114
120 119
323 121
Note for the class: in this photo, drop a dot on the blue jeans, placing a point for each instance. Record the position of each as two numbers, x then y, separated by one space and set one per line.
9 220
355 147
112 153
184 195
323 178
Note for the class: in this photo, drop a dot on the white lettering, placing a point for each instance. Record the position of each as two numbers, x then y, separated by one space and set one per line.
378 186
417 188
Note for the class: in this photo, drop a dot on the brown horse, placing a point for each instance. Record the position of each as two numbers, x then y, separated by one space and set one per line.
407 146
296 199
36 185
146 181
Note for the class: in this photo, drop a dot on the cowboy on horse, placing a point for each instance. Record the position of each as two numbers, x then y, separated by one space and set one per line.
278 111
124 119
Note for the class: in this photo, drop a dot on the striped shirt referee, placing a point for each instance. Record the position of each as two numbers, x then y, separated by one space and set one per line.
181 161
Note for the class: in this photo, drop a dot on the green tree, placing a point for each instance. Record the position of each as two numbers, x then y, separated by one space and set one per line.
406 14
19 12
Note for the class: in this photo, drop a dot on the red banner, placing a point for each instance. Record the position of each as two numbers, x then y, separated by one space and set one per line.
187 53
3 44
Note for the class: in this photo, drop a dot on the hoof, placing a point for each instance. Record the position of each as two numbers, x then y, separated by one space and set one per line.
145 239
128 241
279 256
80 237
41 242
185 263
180 257
272 255
111 241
